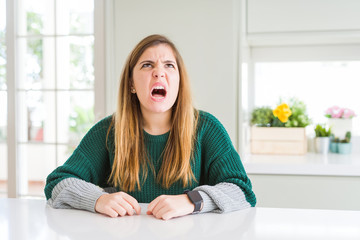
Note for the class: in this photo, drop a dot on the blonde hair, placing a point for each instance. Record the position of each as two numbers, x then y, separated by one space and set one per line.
131 158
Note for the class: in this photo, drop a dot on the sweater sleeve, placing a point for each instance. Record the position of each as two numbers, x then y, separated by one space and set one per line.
75 193
89 162
222 166
223 197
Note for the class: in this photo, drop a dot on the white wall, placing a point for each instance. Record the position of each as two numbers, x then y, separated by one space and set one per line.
303 22
303 15
206 34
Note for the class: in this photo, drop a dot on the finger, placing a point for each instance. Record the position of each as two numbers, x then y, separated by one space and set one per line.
110 212
152 205
163 205
161 211
158 208
119 209
124 204
169 215
133 202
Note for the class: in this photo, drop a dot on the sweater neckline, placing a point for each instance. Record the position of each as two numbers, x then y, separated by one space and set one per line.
156 138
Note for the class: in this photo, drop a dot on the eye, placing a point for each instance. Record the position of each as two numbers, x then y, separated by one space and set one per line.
146 65
169 65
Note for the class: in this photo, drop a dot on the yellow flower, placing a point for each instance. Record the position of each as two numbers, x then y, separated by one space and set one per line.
282 112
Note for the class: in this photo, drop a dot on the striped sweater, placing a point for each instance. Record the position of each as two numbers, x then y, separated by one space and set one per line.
215 161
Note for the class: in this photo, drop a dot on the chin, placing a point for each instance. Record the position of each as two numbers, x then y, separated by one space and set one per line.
162 110
156 107
159 109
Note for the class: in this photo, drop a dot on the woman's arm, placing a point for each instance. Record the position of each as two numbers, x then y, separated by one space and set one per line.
75 183
89 162
225 184
223 197
76 193
224 179
79 182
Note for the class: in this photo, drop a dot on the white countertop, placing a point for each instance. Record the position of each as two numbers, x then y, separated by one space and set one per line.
33 219
309 164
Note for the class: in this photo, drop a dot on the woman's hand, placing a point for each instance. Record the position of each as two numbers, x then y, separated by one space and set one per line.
170 206
117 204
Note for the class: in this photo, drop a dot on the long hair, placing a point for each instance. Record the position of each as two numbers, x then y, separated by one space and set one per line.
131 159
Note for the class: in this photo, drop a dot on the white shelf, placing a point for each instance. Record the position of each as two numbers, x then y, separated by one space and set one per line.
309 164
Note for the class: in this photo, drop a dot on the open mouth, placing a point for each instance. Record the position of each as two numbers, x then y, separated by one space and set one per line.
158 92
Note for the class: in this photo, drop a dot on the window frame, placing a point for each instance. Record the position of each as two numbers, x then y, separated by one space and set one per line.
271 48
302 53
12 88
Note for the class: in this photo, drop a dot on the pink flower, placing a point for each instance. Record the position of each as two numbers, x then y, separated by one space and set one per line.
337 112
348 113
330 110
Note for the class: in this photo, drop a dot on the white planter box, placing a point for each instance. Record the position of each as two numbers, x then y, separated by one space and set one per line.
278 140
340 126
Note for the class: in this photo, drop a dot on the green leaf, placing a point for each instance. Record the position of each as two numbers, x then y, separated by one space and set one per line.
262 117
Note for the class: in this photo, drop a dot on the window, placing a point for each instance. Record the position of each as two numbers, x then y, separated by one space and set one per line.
3 102
319 84
321 76
55 86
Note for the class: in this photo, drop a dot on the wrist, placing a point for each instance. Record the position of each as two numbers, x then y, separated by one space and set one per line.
196 199
98 201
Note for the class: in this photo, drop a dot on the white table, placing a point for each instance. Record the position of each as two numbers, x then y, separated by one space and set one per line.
33 219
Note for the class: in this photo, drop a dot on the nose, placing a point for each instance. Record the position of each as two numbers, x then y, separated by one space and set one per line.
158 73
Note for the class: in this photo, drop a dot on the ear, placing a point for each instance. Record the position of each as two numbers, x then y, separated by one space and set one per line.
132 88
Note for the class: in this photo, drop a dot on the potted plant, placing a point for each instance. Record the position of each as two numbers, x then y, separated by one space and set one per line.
322 138
334 144
340 120
262 117
298 117
344 146
280 130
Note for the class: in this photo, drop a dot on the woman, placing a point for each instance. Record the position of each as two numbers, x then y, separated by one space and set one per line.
153 149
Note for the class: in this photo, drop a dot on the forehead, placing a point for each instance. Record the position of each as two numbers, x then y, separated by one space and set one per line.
162 51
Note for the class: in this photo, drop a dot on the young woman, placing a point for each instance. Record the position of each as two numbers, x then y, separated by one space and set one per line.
153 149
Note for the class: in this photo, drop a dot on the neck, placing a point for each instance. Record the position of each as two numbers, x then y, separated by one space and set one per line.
156 123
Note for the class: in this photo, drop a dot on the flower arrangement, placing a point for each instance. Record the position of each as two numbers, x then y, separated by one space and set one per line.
282 112
338 112
284 115
262 117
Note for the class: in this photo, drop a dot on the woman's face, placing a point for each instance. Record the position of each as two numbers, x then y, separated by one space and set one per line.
156 79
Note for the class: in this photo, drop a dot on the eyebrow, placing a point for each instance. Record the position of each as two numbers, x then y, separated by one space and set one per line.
169 61
166 61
